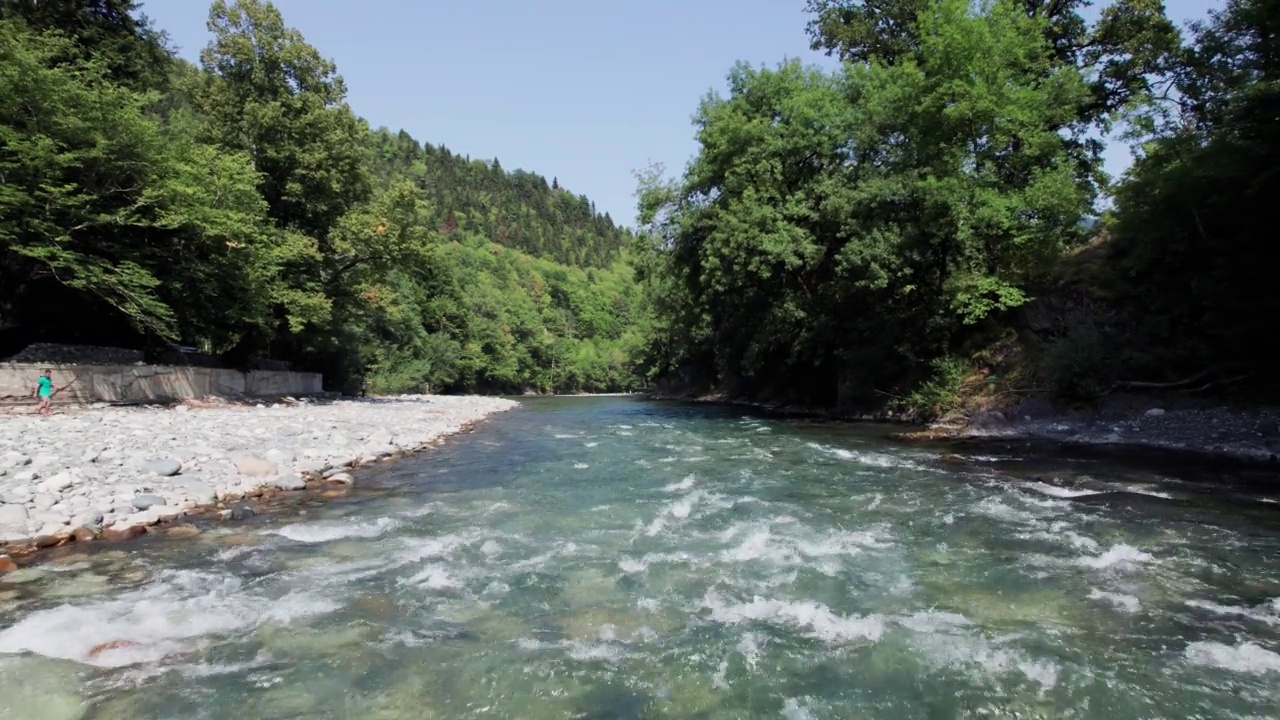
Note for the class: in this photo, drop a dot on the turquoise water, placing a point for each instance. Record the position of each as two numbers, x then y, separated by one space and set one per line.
611 558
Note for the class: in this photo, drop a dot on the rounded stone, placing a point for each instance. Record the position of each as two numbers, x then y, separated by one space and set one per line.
163 467
146 502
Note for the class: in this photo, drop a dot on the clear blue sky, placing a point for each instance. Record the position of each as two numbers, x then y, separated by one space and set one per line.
584 90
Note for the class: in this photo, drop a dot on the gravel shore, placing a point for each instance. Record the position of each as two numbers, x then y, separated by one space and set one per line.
114 471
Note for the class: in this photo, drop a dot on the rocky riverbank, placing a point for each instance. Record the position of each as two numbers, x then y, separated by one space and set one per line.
1172 425
1239 434
115 471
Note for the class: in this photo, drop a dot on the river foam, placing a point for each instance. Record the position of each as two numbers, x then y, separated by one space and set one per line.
179 613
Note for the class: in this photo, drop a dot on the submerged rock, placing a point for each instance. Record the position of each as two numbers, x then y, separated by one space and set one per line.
237 513
37 688
23 576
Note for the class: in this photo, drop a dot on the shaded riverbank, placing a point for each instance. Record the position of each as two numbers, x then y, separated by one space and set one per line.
1154 427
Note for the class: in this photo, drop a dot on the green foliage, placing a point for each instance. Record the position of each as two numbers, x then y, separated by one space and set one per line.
99 197
110 32
267 92
837 231
517 209
242 207
1131 42
497 320
937 395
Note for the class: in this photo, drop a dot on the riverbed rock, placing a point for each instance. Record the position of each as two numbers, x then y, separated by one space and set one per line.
290 481
41 689
165 513
7 565
50 536
237 513
13 458
988 420
57 483
11 515
85 533
196 490
252 465
341 478
22 576
179 532
163 468
123 531
87 519
146 502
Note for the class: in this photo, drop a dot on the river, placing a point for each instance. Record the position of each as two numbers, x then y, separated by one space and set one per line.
613 558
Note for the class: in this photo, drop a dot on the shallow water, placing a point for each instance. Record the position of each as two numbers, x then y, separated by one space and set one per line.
606 558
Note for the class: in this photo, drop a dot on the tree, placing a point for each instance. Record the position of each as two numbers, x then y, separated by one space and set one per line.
111 32
101 199
74 151
836 234
270 94
1131 42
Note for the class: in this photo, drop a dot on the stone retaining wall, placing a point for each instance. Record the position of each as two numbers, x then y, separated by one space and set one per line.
153 383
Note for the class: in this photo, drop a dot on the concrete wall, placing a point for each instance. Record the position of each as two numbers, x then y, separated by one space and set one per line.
153 383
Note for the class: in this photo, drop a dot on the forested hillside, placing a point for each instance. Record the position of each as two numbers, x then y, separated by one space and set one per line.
519 209
243 208
924 222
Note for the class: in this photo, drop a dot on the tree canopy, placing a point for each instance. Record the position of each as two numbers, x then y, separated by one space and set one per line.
848 238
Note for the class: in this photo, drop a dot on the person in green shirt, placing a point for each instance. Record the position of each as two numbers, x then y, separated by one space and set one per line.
44 390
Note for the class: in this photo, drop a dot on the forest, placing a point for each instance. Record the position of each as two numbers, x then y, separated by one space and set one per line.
932 223
927 226
242 209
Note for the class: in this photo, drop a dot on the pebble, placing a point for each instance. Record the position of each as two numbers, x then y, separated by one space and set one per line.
122 468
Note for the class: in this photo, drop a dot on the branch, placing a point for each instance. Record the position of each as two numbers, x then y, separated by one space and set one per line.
342 270
1141 385
1214 383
